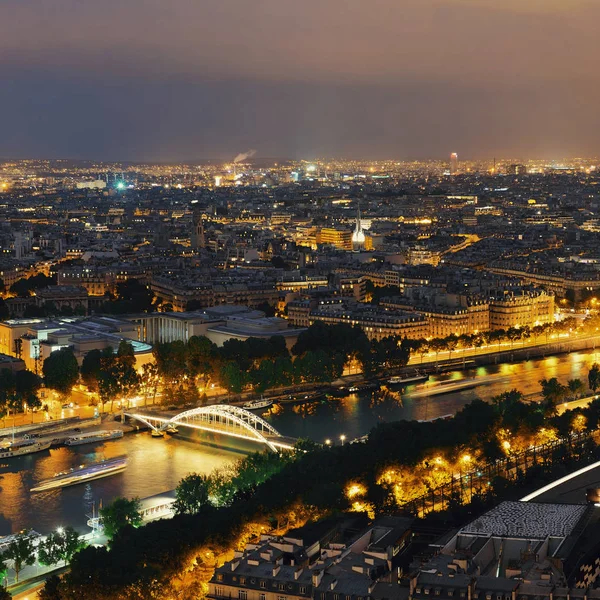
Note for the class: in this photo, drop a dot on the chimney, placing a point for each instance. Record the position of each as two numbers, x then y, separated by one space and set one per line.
333 584
317 576
298 572
276 570
235 564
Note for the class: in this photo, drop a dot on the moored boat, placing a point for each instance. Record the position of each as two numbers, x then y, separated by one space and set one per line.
303 398
401 382
93 437
83 474
24 447
258 404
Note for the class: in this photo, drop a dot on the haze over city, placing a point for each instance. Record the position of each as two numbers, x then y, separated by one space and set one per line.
182 80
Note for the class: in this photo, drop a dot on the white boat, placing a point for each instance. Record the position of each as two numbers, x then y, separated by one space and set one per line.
94 436
83 474
258 404
7 540
156 433
447 387
23 447
396 382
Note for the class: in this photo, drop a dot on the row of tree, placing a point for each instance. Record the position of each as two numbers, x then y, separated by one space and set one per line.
18 391
24 550
186 369
511 335
554 392
320 355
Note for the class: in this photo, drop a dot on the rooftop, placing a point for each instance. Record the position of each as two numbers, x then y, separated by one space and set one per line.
533 520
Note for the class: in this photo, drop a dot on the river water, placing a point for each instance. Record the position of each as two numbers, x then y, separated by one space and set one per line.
156 465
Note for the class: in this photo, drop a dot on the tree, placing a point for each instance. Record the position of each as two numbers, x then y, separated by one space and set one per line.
121 512
192 494
72 543
554 392
576 387
132 296
201 357
437 345
232 377
594 377
91 368
3 572
8 400
150 380
117 376
21 552
27 385
127 377
23 287
451 342
60 545
61 371
5 594
267 308
48 549
51 589
513 334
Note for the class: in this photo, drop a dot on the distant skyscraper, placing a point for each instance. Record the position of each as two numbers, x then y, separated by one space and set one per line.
453 163
197 237
517 169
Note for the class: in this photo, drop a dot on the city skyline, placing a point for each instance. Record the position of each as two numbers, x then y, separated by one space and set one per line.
132 81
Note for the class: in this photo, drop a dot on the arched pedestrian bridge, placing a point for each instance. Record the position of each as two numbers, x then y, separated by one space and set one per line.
224 419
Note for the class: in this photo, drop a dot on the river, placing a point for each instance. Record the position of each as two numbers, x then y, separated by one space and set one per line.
156 465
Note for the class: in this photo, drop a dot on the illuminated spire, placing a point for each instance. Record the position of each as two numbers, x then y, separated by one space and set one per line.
358 237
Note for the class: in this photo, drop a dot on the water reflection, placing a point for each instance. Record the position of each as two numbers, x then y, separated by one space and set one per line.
156 465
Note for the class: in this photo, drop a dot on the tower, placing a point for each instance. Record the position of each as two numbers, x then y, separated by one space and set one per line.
358 237
197 237
453 163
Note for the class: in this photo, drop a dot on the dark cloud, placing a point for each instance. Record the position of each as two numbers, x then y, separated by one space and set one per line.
149 79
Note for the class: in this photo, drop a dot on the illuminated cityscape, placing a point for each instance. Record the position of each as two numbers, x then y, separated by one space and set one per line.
299 301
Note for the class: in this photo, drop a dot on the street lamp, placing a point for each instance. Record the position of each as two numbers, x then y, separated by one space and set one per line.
328 442
342 438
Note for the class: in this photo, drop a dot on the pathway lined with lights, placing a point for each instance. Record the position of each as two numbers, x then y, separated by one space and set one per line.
559 482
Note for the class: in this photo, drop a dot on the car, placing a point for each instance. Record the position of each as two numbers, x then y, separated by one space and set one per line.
69 405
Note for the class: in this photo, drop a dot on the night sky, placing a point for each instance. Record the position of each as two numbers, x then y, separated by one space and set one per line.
188 79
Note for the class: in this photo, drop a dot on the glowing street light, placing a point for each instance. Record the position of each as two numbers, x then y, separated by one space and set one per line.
328 442
342 438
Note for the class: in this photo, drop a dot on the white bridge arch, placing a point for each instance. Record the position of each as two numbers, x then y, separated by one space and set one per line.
221 418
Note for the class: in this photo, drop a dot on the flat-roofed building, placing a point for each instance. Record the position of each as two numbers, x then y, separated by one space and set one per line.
340 238
217 323
33 340
516 550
